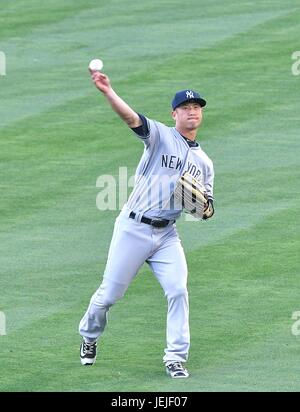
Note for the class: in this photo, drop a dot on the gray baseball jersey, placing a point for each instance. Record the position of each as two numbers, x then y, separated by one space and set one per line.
166 157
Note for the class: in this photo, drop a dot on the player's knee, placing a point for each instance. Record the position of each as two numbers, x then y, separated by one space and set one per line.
106 300
108 294
177 292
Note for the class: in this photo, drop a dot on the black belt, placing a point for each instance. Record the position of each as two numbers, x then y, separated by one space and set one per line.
152 222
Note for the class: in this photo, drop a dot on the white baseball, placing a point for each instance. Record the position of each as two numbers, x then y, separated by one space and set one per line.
96 64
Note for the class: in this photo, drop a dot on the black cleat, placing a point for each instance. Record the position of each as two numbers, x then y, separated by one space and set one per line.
88 353
176 370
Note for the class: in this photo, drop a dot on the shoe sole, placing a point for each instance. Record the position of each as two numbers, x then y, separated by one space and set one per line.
87 362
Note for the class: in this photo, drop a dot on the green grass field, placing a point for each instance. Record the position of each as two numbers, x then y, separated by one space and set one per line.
57 135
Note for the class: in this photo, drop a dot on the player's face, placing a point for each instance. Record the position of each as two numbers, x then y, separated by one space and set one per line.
188 116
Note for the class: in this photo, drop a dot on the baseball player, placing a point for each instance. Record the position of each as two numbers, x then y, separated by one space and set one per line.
145 230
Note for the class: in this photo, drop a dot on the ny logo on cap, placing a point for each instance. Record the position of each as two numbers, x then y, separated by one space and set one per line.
189 94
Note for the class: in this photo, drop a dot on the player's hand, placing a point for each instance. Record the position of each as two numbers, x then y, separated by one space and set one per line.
101 81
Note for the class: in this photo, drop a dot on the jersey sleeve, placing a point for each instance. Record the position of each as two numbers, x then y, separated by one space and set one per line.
148 131
143 130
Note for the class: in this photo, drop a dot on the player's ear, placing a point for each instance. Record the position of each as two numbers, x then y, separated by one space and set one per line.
174 114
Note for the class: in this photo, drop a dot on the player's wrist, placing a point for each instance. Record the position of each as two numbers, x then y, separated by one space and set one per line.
111 95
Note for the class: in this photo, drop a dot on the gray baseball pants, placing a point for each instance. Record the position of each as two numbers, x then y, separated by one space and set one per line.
132 244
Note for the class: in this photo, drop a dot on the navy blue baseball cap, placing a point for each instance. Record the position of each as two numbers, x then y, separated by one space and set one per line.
185 96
